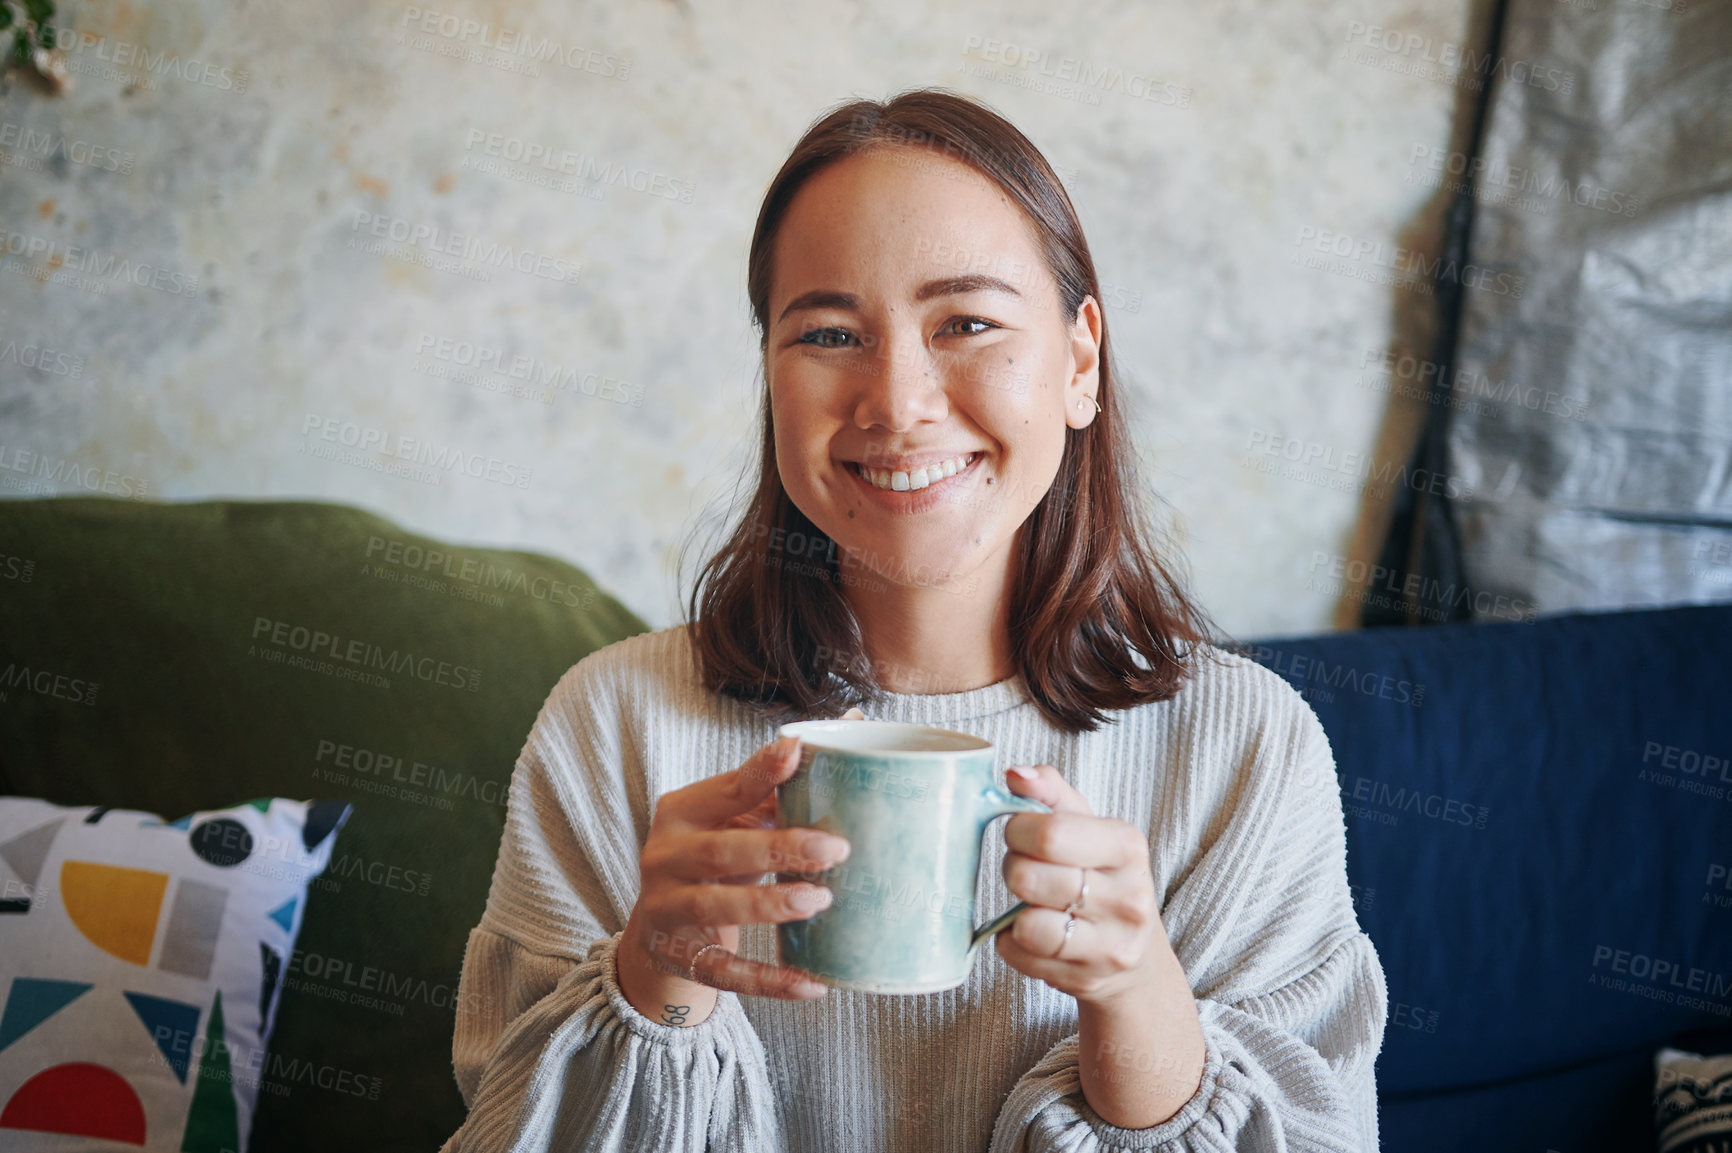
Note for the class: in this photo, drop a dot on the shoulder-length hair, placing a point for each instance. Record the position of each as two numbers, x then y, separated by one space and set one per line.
1097 621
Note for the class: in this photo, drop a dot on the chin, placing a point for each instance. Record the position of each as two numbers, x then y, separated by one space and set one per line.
901 561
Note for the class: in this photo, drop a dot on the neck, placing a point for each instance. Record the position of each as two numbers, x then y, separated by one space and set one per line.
941 638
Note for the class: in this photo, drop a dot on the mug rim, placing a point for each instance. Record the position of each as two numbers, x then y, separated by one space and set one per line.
818 730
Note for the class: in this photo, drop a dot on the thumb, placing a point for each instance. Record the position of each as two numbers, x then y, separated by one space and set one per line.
1043 783
853 714
711 802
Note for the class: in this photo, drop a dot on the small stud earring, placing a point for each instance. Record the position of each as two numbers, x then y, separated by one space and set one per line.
1089 401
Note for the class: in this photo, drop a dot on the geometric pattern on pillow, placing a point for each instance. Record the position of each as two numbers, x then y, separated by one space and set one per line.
1692 1102
140 966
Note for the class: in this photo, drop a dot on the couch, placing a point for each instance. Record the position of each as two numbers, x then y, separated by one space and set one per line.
200 626
1539 831
1530 807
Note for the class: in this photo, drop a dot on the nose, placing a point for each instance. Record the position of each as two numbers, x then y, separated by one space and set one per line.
898 386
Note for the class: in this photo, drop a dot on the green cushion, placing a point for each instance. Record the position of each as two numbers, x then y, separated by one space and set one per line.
179 642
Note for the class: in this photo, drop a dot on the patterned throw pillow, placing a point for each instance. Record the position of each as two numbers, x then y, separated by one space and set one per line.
140 962
1692 1102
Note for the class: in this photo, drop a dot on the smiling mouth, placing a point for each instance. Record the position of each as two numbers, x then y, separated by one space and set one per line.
920 478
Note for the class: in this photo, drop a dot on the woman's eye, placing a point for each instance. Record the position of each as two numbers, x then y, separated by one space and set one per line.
984 324
824 337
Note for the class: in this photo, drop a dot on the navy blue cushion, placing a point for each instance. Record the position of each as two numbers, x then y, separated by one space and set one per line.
1539 835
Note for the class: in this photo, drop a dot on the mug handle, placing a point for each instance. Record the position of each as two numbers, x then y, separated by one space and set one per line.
1002 803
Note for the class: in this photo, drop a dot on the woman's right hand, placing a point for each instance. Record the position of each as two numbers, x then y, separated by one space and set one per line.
708 845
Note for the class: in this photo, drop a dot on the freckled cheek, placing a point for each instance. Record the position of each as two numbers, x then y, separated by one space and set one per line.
792 466
805 467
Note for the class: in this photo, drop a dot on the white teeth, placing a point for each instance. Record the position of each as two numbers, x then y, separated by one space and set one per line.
919 478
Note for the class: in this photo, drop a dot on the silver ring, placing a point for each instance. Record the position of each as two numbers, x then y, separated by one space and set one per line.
1069 928
1076 906
692 969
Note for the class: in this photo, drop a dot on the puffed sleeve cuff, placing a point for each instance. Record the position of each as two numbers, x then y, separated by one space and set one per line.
1049 1112
584 1069
720 1027
1256 1079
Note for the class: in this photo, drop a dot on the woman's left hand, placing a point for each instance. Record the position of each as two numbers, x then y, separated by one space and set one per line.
1119 940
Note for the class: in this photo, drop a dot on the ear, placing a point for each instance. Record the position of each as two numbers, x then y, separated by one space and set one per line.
1085 355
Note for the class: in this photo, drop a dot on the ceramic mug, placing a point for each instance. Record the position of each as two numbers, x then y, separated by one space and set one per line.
913 803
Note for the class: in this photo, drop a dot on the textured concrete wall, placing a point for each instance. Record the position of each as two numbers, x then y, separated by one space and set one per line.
250 223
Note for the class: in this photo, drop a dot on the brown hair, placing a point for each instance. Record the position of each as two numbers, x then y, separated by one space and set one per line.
1097 622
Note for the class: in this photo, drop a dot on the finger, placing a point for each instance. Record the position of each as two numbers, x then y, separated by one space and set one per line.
1039 933
688 955
703 856
1047 786
712 801
1073 839
1053 886
853 714
765 816
714 904
734 973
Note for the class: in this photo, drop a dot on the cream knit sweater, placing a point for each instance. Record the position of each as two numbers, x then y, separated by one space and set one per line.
1233 780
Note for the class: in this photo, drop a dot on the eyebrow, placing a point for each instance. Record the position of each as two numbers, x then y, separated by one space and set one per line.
949 286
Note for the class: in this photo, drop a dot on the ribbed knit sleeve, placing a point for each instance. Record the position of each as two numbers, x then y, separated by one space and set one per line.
1289 991
547 1051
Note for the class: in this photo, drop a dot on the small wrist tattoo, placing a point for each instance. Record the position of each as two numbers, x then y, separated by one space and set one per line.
675 1014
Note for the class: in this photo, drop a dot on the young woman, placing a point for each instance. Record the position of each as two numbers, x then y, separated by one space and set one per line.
946 530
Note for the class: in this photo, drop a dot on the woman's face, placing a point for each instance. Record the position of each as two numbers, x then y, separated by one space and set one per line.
922 375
